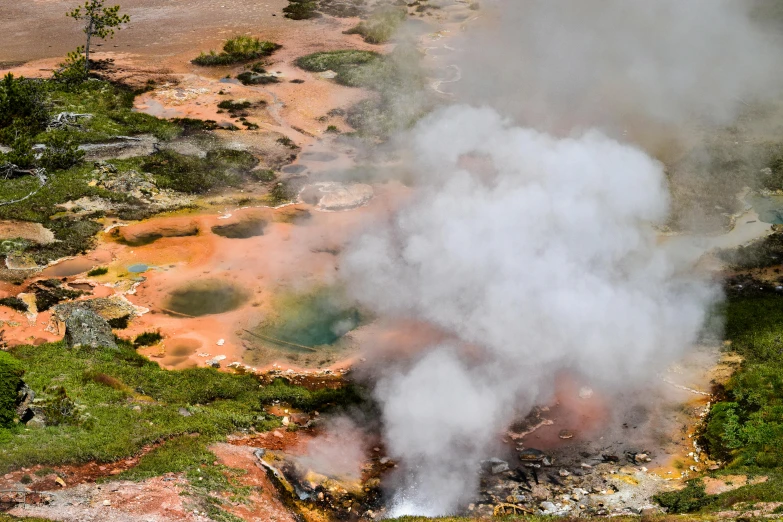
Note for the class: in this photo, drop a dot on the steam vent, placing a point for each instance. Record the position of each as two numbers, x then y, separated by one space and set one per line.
404 260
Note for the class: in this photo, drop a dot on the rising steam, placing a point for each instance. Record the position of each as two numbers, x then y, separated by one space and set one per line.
535 253
541 258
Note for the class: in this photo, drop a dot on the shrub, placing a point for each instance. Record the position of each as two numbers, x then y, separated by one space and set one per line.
220 168
14 303
23 108
61 152
231 105
380 26
98 271
147 339
238 49
252 78
265 175
687 500
301 10
10 380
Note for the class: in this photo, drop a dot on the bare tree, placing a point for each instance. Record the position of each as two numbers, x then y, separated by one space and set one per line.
100 22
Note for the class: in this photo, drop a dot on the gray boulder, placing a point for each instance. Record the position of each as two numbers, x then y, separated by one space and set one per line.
83 327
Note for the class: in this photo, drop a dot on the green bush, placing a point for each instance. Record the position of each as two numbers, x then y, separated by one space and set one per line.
238 49
23 108
61 151
10 380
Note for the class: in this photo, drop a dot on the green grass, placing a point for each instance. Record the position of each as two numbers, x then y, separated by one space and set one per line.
400 98
236 50
10 378
219 169
105 385
767 251
381 25
123 402
746 428
112 110
98 271
302 398
353 68
73 237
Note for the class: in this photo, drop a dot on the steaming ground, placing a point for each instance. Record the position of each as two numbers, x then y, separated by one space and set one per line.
537 255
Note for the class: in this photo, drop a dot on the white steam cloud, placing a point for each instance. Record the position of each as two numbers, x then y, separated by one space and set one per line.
538 255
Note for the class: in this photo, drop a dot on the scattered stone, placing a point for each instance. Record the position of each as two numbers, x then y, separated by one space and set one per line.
494 465
184 412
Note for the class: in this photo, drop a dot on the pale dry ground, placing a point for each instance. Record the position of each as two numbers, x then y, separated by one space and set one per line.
35 29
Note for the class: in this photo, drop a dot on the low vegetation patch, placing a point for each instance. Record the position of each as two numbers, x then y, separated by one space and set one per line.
220 168
301 10
98 271
147 339
767 251
238 49
123 402
10 380
381 25
255 78
399 99
745 428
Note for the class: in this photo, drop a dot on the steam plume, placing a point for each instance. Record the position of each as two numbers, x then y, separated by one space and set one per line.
543 259
535 252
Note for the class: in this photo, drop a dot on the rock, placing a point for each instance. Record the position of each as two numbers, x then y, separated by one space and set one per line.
184 412
532 457
111 308
11 231
585 392
107 503
566 434
36 422
540 492
494 465
83 327
332 196
299 418
24 401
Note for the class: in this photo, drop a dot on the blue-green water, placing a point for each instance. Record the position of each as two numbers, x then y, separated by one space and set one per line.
769 209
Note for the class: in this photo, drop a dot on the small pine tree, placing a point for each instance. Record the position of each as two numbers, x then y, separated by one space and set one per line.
100 22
